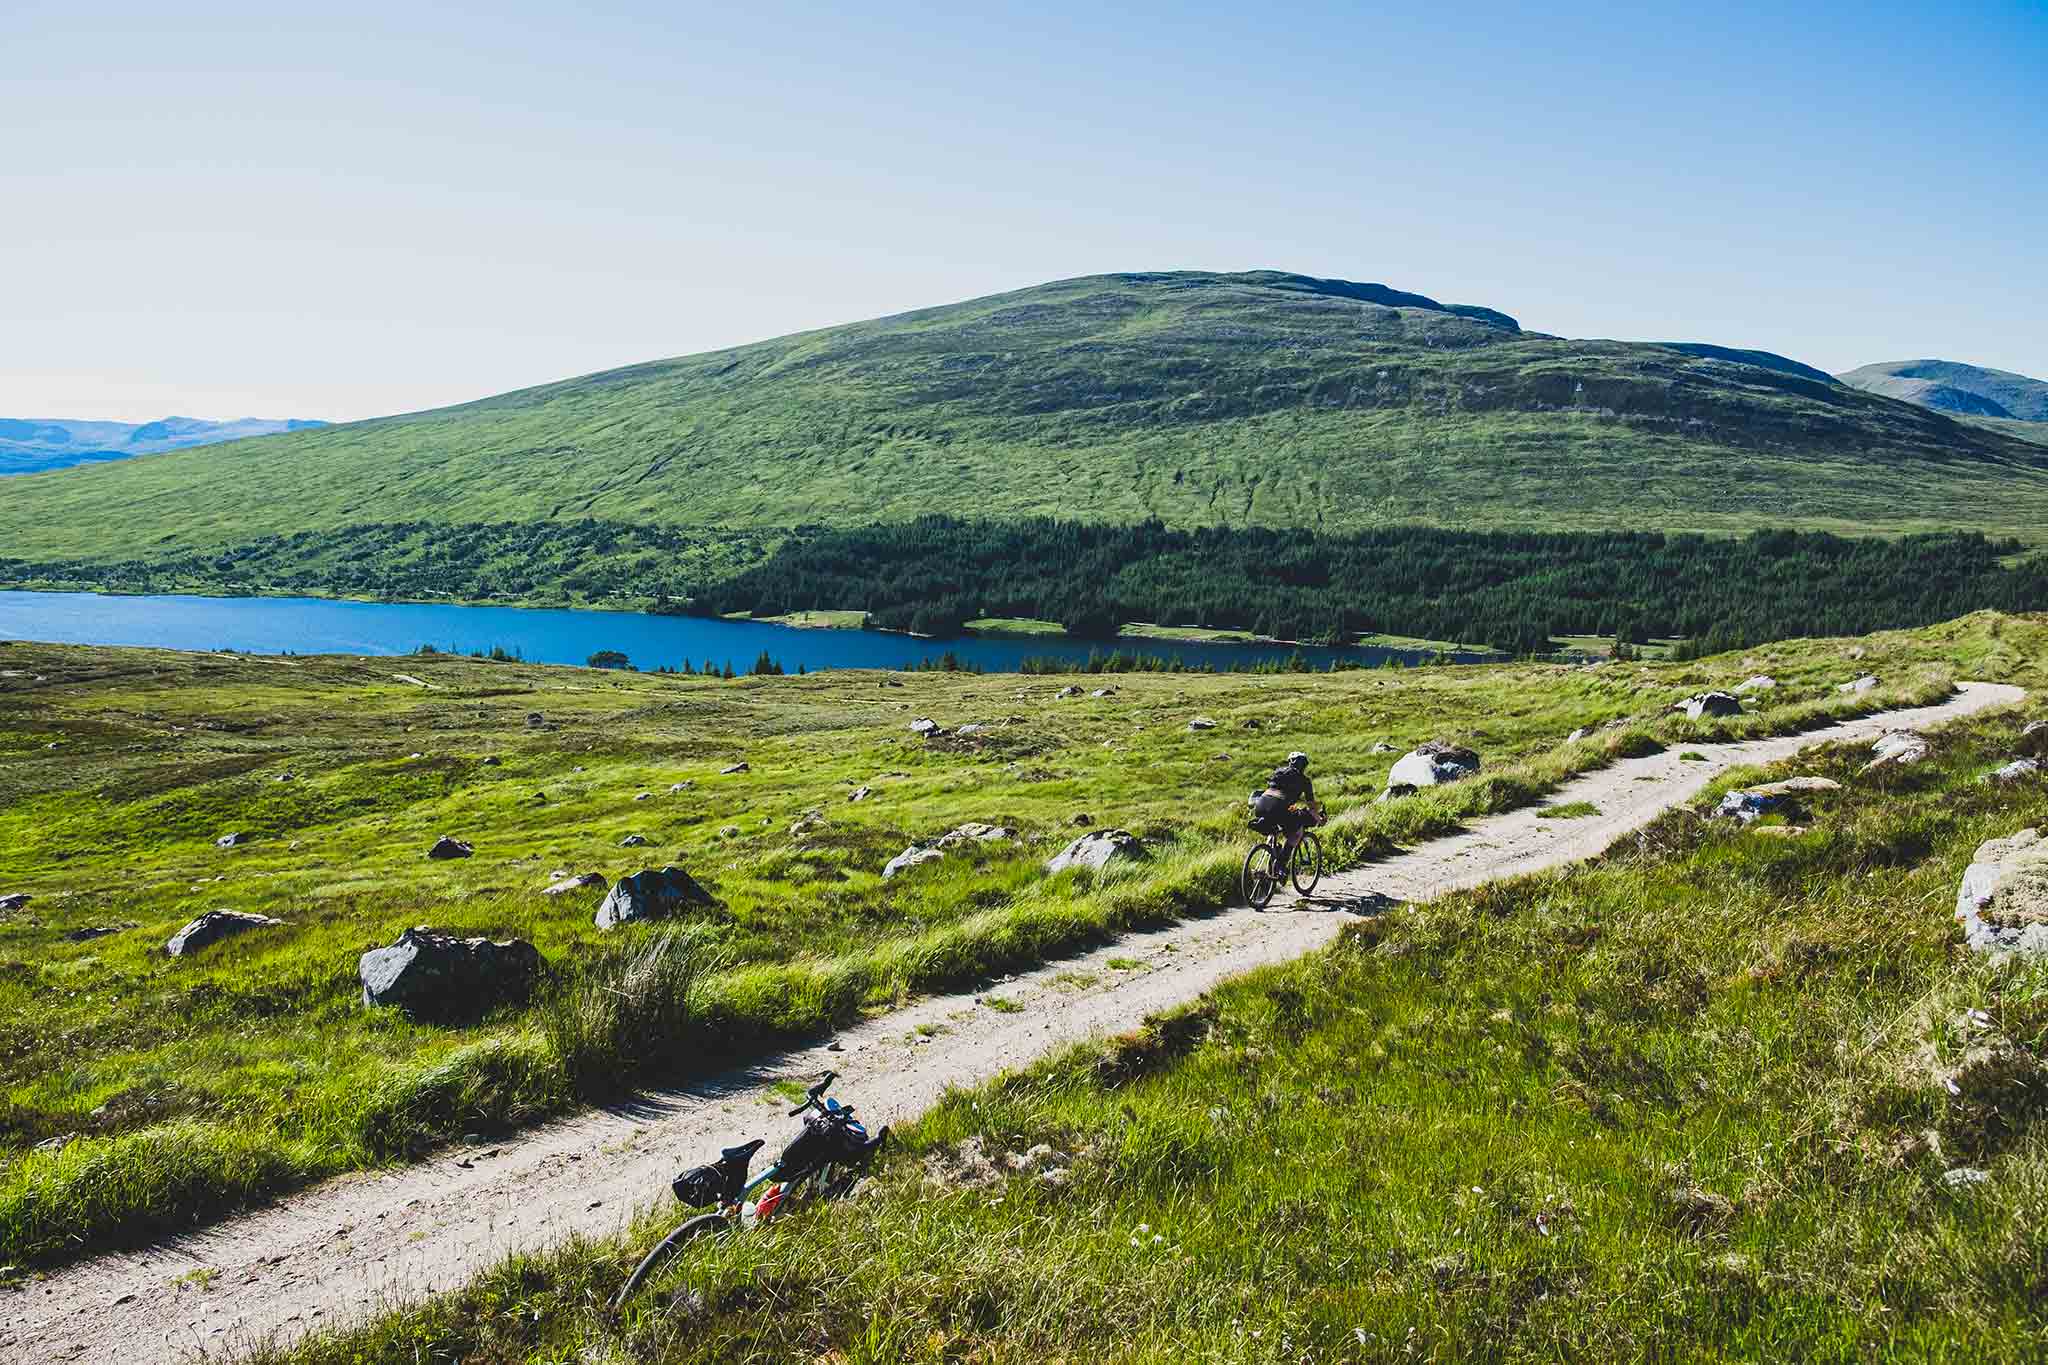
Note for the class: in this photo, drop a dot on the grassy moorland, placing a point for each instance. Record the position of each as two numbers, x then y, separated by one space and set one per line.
142 1092
1704 1099
1258 399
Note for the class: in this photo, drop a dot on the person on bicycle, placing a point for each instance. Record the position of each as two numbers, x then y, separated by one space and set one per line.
1289 800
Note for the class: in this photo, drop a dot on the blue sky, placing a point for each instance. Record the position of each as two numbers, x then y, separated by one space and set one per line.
224 209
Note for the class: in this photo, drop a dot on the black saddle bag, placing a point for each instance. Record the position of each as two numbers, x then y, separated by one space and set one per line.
701 1187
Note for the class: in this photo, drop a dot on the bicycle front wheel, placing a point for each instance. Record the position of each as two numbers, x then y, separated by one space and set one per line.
664 1250
1308 863
1262 875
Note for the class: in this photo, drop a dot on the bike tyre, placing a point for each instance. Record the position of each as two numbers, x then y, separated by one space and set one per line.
1308 864
1262 876
666 1248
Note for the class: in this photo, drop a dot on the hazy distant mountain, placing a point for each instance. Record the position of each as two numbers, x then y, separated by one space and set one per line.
1951 386
28 444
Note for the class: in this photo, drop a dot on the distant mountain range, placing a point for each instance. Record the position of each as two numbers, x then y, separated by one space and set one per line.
1952 386
31 444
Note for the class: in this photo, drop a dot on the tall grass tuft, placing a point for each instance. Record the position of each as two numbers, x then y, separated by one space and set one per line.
630 1009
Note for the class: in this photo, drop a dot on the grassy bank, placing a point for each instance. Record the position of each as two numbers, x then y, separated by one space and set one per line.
143 1092
1703 1099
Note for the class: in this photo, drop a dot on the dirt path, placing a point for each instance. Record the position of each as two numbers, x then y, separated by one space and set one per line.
336 1252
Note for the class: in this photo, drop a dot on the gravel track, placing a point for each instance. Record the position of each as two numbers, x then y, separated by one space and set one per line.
336 1252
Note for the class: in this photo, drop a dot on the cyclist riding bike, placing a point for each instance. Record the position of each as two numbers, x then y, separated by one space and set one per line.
1289 800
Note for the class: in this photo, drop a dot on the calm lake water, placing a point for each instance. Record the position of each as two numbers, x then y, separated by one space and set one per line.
312 625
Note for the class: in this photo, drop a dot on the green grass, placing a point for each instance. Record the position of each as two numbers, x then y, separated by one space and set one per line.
181 1089
1694 1102
1146 630
1568 810
1381 640
820 620
1197 399
1013 625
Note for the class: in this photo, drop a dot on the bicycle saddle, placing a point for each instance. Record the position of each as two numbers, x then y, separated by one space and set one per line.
743 1152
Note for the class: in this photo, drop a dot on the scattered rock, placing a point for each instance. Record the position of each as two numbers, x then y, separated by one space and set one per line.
1899 749
1706 704
1575 736
491 761
2015 771
651 894
1863 684
633 841
563 884
808 822
1081 820
1430 765
973 833
92 932
643 796
1762 682
917 855
1792 786
1201 723
233 840
860 793
283 777
1963 1177
677 788
735 768
1103 692
1098 849
15 900
966 730
924 727
449 847
1382 747
728 831
440 976
1065 692
2002 903
213 926
1857 652
535 720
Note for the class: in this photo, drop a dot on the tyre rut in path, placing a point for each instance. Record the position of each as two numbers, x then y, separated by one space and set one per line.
333 1254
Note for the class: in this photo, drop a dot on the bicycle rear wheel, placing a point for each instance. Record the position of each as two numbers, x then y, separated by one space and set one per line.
1262 875
666 1248
1308 863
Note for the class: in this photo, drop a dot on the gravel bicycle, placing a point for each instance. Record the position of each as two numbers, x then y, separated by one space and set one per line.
1268 867
822 1162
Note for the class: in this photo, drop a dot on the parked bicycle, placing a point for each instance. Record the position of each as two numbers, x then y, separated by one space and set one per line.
822 1162
1269 866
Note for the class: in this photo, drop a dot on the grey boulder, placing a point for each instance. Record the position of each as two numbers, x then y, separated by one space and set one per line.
1201 723
1762 682
633 841
2002 903
1866 683
447 847
735 768
924 727
213 926
563 885
233 840
437 975
14 901
1098 849
1430 765
1899 749
917 855
654 893
1707 704
2015 771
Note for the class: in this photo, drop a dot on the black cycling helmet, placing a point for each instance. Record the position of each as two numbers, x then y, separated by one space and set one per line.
1298 759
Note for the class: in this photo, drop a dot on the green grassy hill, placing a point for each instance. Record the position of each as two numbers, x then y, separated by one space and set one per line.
1953 387
1255 399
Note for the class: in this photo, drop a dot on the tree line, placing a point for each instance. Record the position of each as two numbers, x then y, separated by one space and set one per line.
1515 591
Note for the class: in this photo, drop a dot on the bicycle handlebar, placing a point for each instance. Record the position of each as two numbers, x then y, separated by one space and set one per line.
811 1095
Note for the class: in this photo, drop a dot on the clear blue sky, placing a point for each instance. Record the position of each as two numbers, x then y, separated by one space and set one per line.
225 209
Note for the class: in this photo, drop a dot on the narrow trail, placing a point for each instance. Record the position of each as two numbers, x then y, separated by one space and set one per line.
342 1250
